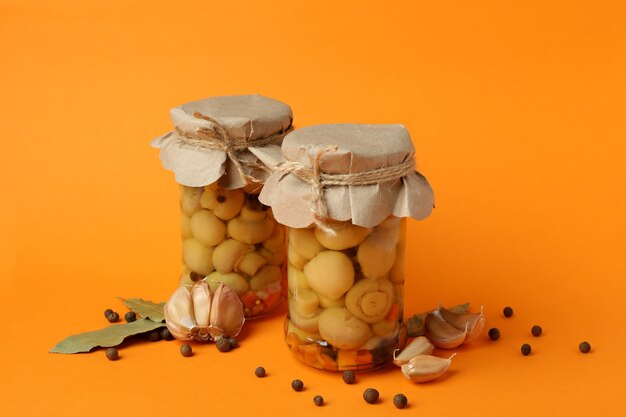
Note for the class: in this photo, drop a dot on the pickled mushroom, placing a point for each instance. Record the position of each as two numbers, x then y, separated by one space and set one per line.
330 273
370 299
342 329
206 228
341 237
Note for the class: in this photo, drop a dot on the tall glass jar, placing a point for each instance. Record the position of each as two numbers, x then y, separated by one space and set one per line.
228 236
345 192
346 286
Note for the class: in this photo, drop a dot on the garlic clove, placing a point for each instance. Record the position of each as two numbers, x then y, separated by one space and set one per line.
226 315
474 322
178 314
201 298
441 333
419 346
424 368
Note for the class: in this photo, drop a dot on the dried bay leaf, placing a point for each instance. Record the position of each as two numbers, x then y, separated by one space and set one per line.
415 323
146 309
106 337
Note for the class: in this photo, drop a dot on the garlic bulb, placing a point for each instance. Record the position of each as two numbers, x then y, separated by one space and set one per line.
195 313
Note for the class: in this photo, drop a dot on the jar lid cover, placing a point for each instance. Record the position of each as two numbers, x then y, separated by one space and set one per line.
213 137
362 173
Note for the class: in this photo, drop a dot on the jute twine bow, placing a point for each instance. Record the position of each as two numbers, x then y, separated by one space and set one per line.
219 139
320 180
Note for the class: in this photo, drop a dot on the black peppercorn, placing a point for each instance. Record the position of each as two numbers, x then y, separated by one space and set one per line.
223 344
186 350
348 377
297 385
494 333
112 354
166 335
400 401
536 330
508 311
113 317
584 347
318 400
526 349
233 342
107 312
154 336
220 198
260 372
370 395
130 316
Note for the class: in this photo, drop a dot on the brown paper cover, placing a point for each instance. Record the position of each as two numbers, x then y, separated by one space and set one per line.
246 118
359 148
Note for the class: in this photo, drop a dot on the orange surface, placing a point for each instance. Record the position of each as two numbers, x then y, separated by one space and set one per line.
517 112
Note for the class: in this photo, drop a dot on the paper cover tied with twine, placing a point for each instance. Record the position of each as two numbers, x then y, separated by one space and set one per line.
213 137
362 173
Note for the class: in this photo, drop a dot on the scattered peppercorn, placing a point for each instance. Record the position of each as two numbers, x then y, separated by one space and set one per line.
297 385
400 401
107 312
113 317
370 395
233 342
223 344
186 350
318 400
220 198
584 347
494 333
166 335
348 377
112 354
508 311
154 336
526 349
130 316
260 372
536 330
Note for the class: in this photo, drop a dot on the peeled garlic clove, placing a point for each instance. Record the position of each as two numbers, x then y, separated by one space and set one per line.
201 299
442 334
419 346
226 315
178 314
424 368
473 322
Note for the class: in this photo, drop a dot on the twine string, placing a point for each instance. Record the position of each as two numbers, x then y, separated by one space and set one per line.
218 138
320 180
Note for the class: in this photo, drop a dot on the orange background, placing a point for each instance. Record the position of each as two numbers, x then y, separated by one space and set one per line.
517 113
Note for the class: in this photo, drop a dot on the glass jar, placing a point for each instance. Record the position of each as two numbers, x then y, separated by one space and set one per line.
228 236
344 192
346 286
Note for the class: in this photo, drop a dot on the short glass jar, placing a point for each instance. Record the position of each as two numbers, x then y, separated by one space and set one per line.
228 236
345 191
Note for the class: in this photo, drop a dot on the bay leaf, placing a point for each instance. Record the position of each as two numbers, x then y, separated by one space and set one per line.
106 337
415 323
146 309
